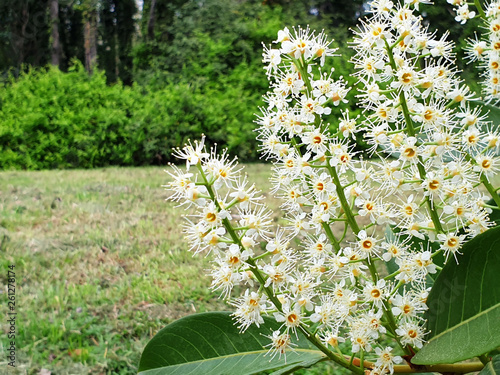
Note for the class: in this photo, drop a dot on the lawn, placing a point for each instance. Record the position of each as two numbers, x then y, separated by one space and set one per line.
100 267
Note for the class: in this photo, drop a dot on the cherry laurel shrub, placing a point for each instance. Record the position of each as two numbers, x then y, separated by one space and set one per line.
383 265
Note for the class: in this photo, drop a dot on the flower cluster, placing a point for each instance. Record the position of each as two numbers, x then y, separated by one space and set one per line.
332 270
420 114
461 7
486 49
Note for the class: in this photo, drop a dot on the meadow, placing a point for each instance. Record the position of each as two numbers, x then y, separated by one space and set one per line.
100 265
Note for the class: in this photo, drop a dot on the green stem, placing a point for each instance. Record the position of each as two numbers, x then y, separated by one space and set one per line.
268 290
261 256
236 240
362 359
351 220
484 359
392 275
343 200
411 131
335 358
392 327
345 231
484 180
490 206
490 189
479 8
329 233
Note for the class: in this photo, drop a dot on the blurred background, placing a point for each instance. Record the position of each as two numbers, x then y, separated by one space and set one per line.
87 83
94 94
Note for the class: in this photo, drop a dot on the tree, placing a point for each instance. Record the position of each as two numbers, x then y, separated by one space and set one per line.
125 31
24 33
151 19
55 40
116 34
89 10
71 33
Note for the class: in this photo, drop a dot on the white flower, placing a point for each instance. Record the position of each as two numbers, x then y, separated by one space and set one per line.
224 278
283 35
451 243
299 44
192 154
249 308
411 333
280 344
407 306
375 293
291 317
487 164
464 14
272 57
406 78
367 244
386 359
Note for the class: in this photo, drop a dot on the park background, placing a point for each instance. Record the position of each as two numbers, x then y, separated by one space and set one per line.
94 96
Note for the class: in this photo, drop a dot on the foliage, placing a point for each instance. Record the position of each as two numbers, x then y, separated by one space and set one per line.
200 72
56 120
210 40
24 33
229 352
206 79
117 28
462 304
25 30
52 119
179 112
493 367
216 51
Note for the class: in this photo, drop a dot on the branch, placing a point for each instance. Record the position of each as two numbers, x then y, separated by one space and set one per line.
457 368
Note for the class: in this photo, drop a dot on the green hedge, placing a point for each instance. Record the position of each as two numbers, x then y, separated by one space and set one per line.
50 119
208 79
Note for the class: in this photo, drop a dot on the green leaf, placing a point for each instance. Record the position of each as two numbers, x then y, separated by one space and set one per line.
492 367
289 369
210 343
493 112
464 304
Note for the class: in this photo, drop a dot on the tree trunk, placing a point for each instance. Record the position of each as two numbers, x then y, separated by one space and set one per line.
90 37
19 38
55 40
151 20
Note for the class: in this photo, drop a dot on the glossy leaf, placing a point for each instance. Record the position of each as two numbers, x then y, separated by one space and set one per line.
492 367
464 304
290 369
493 112
210 343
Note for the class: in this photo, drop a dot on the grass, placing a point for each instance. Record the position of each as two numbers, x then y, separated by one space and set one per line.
101 266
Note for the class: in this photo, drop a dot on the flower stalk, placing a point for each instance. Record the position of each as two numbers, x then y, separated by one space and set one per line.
312 276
